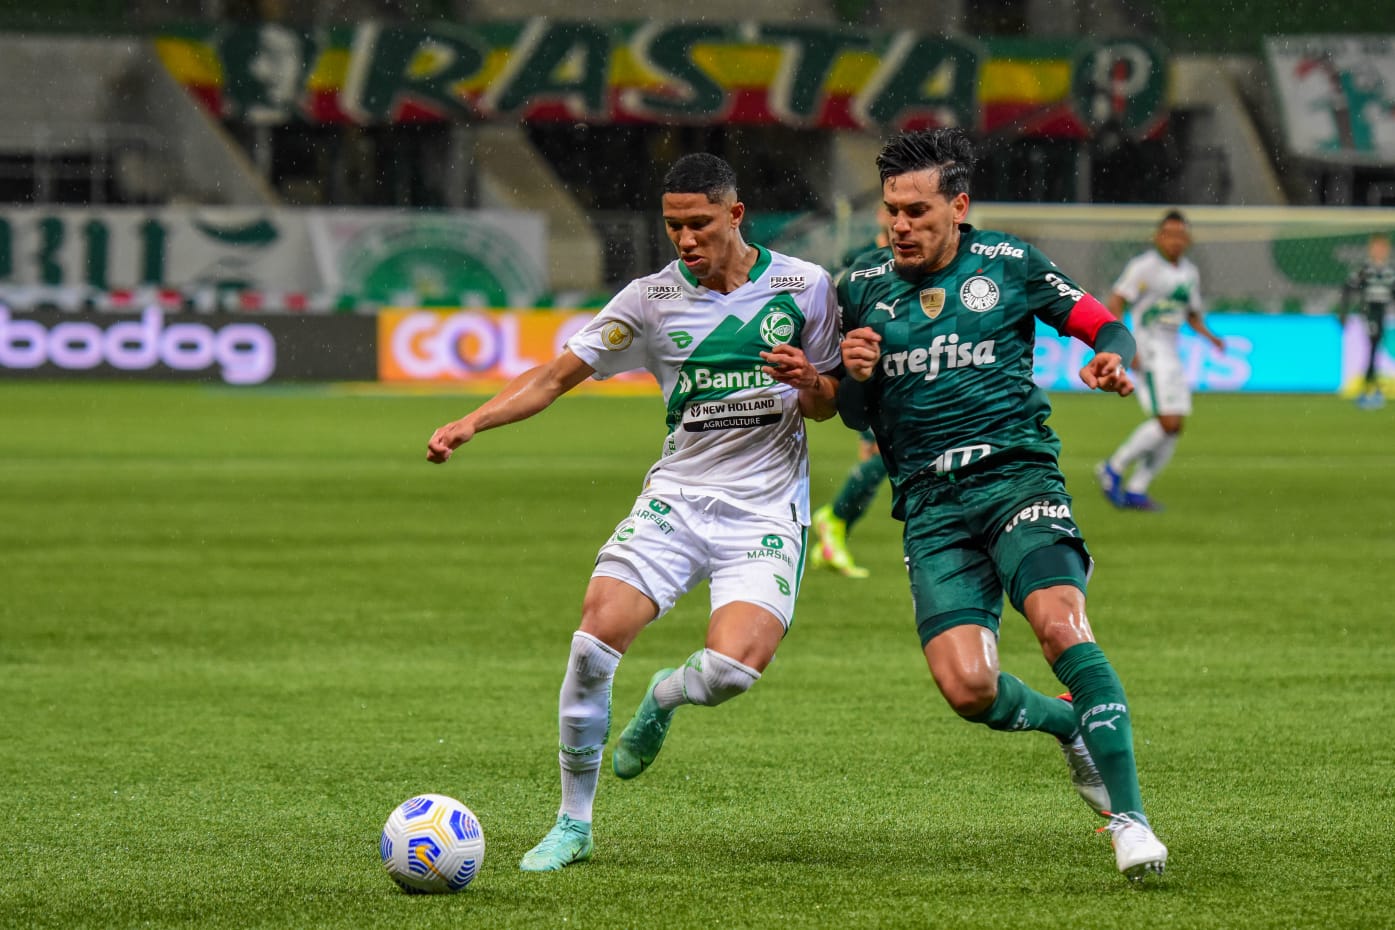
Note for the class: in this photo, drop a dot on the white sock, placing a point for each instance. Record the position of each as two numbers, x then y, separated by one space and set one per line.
707 678
1151 465
1143 440
583 722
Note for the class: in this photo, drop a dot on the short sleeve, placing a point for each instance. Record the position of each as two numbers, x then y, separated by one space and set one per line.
1051 294
1194 302
1130 283
614 341
820 342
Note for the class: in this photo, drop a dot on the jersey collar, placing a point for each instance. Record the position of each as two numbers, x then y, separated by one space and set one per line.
758 269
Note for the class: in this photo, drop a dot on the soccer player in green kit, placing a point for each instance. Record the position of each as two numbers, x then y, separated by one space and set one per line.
938 351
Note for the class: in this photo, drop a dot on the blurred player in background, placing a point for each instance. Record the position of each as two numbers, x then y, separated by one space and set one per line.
1374 284
1162 288
834 521
738 338
938 356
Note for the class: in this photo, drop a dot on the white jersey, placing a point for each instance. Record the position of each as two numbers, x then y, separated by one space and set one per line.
734 433
1160 294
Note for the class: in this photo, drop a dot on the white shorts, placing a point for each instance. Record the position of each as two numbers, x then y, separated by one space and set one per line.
667 545
1162 381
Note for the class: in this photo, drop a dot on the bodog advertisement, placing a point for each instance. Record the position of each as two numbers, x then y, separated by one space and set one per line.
153 345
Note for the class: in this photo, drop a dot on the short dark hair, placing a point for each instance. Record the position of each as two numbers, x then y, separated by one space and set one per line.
1172 216
701 173
947 149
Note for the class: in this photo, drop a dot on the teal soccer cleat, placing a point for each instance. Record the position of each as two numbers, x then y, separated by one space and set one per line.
568 841
643 736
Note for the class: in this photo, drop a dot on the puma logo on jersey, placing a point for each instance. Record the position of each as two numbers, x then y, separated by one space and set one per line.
1094 725
944 352
889 308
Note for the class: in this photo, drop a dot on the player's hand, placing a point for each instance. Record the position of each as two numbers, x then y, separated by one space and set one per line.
789 365
1105 372
861 350
1219 343
447 439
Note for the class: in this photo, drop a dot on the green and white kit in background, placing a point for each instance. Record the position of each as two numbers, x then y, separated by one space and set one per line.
1160 294
736 451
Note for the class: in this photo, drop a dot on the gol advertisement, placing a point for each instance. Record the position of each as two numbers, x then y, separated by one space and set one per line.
482 348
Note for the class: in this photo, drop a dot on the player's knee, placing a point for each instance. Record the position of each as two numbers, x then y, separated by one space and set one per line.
711 678
970 696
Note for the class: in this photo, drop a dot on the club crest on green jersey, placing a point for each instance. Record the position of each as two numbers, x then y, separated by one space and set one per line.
979 294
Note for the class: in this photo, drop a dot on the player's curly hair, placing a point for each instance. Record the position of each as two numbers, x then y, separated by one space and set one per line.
947 148
701 173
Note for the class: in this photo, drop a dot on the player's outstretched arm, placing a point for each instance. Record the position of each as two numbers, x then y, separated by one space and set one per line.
529 393
791 366
1198 323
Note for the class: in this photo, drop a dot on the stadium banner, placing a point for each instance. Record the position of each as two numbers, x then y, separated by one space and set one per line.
482 348
155 345
1270 354
210 258
668 71
1336 95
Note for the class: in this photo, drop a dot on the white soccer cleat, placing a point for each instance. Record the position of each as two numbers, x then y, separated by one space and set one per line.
1084 776
1137 849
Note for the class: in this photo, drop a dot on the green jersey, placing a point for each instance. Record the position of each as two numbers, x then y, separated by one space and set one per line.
954 383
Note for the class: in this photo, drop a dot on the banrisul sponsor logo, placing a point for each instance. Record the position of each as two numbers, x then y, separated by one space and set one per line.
728 359
945 352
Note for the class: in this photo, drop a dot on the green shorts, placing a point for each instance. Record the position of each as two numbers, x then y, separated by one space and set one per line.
971 537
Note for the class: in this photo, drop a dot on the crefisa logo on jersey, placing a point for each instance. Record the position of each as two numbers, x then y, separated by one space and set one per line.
979 294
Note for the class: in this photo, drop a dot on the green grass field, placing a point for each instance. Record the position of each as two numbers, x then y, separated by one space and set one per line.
238 627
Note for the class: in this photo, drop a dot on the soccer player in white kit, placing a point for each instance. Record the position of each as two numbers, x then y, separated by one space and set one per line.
743 342
1162 289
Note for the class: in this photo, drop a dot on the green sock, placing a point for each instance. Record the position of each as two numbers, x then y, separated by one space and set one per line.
1019 707
1103 715
858 492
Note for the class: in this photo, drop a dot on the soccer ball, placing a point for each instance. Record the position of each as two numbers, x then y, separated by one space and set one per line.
432 844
